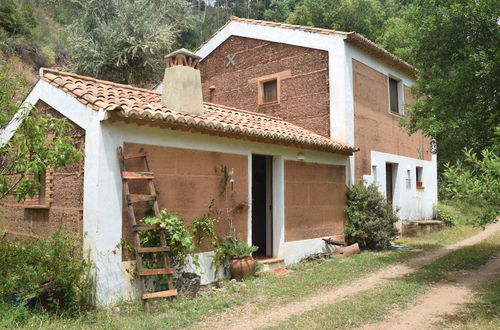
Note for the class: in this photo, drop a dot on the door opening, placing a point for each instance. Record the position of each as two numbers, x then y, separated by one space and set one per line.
389 182
262 205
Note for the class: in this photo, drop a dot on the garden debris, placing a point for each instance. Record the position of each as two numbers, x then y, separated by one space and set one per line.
346 251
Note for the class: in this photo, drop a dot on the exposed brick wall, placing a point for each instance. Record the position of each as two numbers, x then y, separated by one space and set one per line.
187 181
314 200
66 207
304 95
375 128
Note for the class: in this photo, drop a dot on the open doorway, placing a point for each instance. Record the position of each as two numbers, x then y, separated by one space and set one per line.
390 179
262 205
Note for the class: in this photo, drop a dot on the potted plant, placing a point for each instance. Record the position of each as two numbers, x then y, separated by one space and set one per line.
241 265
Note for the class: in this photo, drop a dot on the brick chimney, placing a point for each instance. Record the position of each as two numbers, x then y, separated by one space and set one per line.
182 82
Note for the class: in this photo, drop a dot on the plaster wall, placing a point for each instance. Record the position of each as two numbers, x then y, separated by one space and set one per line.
412 203
315 196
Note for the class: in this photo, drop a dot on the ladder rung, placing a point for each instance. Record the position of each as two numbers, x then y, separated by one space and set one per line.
160 294
156 271
134 155
140 227
137 175
153 249
134 198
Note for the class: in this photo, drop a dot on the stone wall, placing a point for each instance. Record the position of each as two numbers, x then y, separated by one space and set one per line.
302 74
375 128
187 181
64 196
314 200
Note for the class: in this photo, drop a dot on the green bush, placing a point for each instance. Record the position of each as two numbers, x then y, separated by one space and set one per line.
445 214
370 219
51 269
475 181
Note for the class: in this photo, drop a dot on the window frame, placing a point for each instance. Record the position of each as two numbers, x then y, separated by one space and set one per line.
400 95
261 93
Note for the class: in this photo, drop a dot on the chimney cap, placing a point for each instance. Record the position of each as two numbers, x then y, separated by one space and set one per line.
183 51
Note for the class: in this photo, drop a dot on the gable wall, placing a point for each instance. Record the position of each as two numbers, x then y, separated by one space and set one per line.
66 209
375 128
304 98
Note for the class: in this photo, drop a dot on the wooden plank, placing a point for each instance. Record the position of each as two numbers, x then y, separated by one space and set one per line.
160 294
140 227
156 271
137 175
153 249
135 198
134 155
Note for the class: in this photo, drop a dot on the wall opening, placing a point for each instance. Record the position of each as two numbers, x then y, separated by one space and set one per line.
262 205
418 173
390 180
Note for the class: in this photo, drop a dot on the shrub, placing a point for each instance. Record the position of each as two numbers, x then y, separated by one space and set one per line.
370 219
51 269
445 214
475 180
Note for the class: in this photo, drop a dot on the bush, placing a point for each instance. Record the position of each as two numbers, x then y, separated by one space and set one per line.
370 219
476 181
445 214
52 269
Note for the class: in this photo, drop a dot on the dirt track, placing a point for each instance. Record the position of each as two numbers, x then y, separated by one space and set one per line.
247 317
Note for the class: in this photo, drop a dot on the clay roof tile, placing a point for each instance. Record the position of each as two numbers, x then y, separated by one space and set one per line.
143 105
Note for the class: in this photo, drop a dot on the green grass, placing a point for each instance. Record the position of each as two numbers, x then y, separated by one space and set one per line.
307 278
373 305
483 313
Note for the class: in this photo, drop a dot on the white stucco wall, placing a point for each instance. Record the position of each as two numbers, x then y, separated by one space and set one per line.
413 203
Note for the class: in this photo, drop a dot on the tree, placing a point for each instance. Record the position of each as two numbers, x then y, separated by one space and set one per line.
363 16
456 48
39 142
16 19
126 40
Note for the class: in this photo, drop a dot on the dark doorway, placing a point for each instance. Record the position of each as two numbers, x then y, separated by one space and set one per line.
262 204
389 191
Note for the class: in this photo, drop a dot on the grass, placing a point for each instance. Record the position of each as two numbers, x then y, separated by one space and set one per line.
483 313
373 305
307 278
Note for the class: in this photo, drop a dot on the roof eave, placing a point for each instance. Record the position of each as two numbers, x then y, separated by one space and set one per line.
217 130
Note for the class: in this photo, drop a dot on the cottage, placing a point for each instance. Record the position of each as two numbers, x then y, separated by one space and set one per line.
296 102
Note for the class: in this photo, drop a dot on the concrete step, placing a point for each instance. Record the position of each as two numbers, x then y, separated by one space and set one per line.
272 263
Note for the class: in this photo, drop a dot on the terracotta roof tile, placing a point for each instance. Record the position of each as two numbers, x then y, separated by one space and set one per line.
130 103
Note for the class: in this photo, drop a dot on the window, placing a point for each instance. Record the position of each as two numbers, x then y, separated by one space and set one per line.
408 179
42 199
270 91
419 170
394 95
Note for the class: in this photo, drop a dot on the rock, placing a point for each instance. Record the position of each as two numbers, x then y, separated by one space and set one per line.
188 285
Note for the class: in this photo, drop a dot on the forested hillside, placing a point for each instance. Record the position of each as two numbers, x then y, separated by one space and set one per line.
453 43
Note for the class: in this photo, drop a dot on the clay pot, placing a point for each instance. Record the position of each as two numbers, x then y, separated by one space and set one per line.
242 267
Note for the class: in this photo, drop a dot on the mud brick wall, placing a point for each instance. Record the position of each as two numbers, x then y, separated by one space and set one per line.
186 182
65 198
375 128
304 95
314 200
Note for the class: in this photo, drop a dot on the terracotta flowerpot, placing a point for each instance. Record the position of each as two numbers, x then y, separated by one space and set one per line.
242 267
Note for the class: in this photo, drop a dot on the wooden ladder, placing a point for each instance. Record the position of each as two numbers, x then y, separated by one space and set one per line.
131 199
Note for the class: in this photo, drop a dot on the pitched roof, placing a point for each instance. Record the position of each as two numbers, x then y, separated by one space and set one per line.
134 104
351 37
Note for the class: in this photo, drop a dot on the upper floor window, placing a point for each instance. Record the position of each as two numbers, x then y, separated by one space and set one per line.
395 96
270 91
